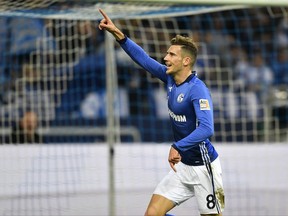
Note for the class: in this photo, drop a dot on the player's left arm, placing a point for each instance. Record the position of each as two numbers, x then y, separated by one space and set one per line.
204 112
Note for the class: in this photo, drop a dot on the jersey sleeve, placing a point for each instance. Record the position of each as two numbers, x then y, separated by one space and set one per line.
203 107
139 56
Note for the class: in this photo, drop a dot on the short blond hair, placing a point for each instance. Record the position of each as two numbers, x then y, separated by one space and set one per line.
187 44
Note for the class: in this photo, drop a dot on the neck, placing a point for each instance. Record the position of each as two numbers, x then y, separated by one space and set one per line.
180 78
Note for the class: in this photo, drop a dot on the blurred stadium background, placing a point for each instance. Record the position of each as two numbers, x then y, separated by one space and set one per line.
88 93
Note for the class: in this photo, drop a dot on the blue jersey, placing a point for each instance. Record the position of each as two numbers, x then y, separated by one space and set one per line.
189 106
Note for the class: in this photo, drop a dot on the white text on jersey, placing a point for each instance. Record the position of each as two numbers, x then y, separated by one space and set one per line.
178 118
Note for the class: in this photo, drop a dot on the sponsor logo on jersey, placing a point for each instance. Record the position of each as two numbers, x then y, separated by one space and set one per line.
178 118
204 104
180 98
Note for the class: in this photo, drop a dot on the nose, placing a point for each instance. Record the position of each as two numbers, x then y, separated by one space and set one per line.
165 58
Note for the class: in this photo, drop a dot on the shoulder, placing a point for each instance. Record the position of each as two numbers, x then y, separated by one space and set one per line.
199 89
198 85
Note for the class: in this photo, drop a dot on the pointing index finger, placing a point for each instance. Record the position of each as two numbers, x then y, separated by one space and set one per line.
103 14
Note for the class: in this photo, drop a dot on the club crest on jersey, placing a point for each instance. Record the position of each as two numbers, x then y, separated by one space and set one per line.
204 104
180 98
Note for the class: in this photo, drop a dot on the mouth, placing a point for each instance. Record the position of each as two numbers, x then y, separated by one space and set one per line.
168 65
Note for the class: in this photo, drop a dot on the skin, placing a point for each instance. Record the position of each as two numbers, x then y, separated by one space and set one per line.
179 66
29 123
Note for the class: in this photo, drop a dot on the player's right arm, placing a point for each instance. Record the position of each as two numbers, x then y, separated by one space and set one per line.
107 24
136 52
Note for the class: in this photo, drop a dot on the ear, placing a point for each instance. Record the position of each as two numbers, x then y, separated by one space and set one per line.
187 61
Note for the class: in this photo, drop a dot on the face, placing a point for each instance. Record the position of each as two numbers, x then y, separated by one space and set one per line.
174 60
29 122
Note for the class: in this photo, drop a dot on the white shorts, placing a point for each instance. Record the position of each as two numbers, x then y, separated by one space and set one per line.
190 181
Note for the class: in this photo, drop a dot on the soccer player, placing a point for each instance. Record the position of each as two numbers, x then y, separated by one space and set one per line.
196 170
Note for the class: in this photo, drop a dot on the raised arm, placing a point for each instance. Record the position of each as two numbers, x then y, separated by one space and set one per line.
107 24
136 52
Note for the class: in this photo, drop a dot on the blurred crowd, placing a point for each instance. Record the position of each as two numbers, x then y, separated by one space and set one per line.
56 68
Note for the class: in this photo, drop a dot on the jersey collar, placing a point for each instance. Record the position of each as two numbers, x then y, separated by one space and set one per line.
189 78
